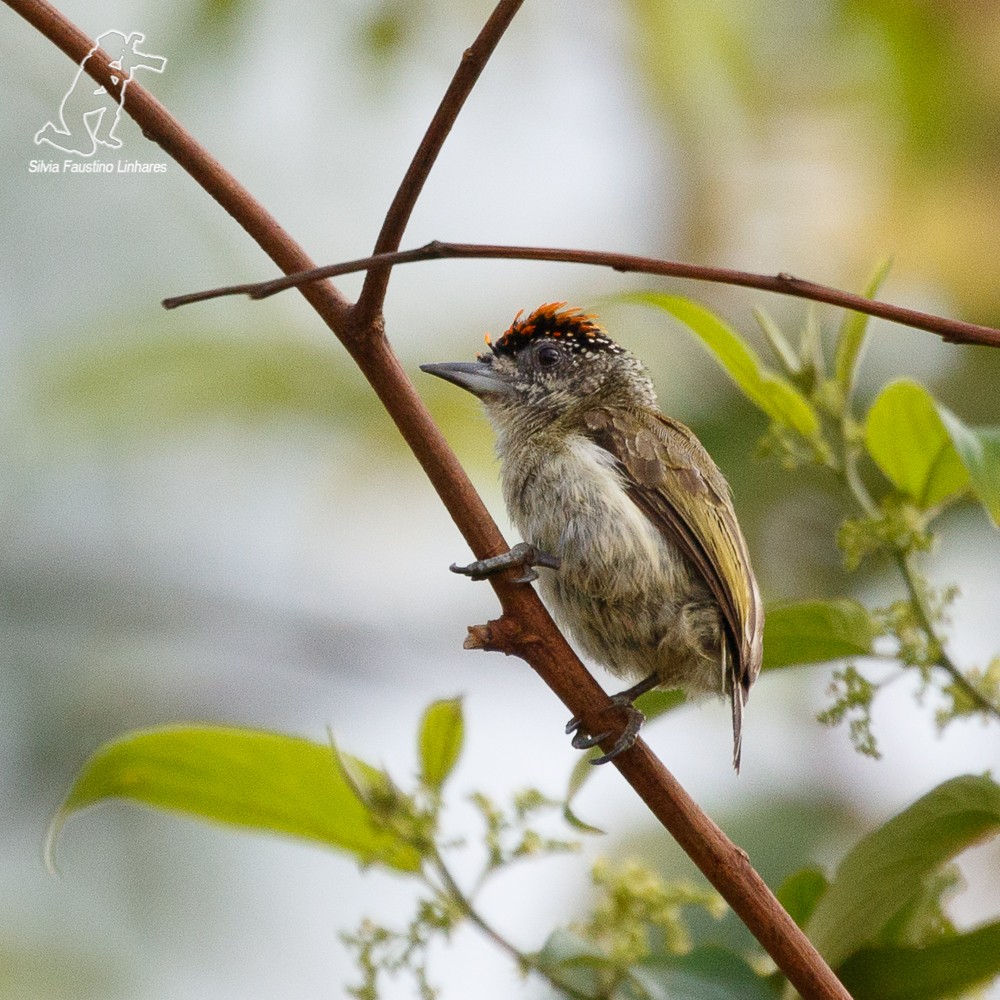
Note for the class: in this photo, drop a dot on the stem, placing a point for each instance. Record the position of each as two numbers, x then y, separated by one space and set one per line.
473 62
523 960
784 284
856 486
944 661
851 454
454 891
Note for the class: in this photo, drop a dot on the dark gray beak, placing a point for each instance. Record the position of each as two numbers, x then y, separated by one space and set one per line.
477 377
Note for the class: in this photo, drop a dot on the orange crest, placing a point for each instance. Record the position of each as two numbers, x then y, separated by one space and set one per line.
555 320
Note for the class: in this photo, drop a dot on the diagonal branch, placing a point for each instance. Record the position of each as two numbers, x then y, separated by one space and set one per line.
950 329
525 629
474 59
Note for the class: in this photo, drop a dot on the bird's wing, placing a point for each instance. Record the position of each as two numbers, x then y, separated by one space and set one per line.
675 483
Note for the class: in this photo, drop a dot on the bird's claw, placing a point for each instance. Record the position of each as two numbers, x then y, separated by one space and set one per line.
582 741
521 555
626 739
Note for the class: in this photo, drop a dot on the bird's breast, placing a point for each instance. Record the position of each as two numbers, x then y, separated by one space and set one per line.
623 586
571 501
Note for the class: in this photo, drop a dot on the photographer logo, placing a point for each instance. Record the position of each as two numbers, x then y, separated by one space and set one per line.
88 117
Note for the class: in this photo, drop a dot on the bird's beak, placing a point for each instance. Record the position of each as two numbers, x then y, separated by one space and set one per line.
477 377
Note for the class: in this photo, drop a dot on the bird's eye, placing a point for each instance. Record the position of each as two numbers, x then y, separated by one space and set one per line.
548 355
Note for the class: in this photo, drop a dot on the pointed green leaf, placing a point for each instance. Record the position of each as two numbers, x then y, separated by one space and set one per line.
817 631
947 968
578 777
979 450
442 730
851 336
373 788
909 442
244 778
765 388
885 871
924 918
582 770
800 893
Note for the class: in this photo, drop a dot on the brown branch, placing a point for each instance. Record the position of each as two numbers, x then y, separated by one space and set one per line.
526 628
953 330
474 59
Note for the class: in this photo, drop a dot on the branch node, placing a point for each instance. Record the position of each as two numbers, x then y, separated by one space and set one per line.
501 635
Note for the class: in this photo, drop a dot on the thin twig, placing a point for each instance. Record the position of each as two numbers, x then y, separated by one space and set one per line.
452 891
474 59
525 628
942 660
784 284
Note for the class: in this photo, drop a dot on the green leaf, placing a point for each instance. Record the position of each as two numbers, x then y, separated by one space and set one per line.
373 788
887 870
817 631
909 442
707 973
800 893
979 450
578 777
765 388
245 778
925 918
851 336
652 705
947 968
442 730
928 453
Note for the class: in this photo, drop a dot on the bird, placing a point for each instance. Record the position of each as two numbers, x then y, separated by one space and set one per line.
628 524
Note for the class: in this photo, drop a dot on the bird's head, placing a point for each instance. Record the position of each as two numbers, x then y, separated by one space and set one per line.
554 365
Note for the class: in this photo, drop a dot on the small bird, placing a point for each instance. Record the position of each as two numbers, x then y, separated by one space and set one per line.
628 519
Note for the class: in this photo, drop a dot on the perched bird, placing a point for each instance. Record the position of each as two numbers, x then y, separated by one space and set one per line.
628 519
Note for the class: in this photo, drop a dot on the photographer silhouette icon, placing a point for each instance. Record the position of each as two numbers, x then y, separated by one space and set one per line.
88 114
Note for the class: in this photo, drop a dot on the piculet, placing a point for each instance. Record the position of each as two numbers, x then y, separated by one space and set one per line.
628 520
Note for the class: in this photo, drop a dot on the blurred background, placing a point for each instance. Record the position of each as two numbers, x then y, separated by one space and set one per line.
204 516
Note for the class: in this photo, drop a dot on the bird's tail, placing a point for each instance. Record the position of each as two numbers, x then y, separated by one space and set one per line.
738 696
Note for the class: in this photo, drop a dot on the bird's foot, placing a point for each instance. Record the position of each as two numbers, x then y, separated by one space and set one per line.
582 740
634 720
522 556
